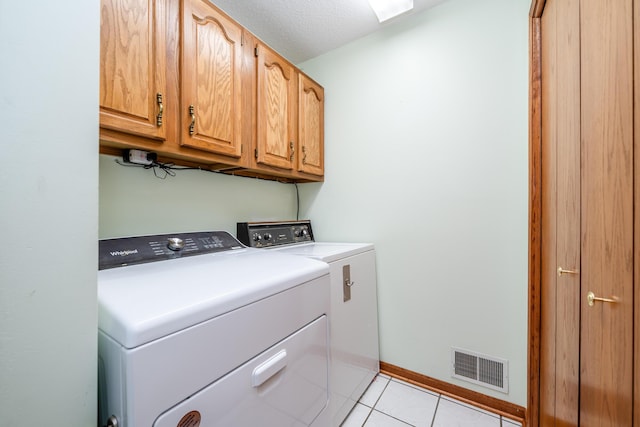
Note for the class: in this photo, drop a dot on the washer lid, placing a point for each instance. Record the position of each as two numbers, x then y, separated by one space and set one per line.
140 303
327 252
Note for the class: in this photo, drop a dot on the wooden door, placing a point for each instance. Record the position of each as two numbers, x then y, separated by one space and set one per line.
560 327
133 67
587 214
310 126
606 353
211 80
277 110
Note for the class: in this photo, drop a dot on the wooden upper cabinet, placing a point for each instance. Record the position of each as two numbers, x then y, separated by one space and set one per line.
182 79
276 127
133 67
310 126
211 68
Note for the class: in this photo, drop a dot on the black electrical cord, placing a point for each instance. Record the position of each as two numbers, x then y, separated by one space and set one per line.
166 168
297 202
169 169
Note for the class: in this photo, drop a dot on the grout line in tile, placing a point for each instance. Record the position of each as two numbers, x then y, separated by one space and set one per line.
379 397
511 422
369 386
415 386
391 416
368 415
433 420
472 407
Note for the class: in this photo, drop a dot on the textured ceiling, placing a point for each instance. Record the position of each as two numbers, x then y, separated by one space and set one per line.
303 29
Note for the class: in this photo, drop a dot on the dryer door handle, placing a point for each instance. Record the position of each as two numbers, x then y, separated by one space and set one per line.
269 368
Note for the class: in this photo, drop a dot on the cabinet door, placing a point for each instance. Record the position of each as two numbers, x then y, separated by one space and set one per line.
132 66
276 110
211 80
310 126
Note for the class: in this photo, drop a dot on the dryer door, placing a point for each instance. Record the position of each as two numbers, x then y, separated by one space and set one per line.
286 385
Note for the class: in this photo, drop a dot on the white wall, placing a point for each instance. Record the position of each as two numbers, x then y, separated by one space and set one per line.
134 202
48 212
426 156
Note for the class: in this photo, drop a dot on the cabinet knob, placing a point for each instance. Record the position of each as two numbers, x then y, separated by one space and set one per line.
192 113
160 109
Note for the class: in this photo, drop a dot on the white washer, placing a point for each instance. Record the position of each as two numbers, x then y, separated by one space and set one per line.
233 336
353 317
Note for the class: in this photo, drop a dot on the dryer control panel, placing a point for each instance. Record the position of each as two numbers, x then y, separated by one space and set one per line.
267 234
141 249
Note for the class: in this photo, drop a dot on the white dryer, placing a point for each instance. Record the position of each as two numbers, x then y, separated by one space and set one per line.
353 316
197 330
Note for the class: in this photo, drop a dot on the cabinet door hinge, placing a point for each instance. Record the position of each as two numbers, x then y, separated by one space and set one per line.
242 39
255 152
255 51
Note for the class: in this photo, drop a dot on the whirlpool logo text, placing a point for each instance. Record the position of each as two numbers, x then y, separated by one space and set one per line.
124 253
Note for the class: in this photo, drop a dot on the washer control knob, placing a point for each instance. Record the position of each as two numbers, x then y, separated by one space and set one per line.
175 243
305 233
256 237
296 232
267 236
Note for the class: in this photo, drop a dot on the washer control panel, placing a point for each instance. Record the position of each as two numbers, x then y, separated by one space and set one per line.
141 249
267 234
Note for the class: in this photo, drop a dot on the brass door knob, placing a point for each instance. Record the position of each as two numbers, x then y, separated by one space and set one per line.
592 298
562 271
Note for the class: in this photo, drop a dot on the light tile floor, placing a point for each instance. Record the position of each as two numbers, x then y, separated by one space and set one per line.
389 402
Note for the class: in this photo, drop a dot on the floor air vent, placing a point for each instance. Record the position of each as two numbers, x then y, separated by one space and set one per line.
480 369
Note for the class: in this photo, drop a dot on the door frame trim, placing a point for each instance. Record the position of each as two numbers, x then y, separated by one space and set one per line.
535 213
636 219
